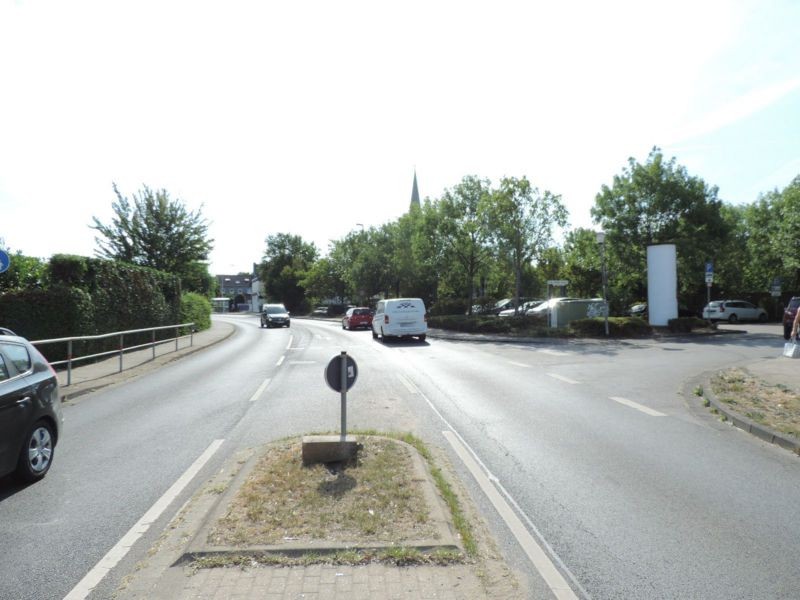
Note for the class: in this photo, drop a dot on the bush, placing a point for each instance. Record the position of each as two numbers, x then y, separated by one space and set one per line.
624 327
195 308
449 306
687 324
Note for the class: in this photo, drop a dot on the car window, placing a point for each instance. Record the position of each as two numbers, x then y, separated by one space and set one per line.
361 311
273 310
3 370
18 355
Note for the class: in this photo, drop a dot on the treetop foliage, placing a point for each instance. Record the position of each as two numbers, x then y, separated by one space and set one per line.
154 231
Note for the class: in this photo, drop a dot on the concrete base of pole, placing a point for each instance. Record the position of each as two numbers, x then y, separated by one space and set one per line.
329 448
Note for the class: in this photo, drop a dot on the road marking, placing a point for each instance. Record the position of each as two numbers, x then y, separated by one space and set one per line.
118 552
407 384
516 364
302 362
640 407
260 389
452 434
554 352
551 575
289 345
280 361
564 379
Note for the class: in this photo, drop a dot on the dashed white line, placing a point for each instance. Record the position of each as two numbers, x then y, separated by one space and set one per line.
260 389
118 552
280 361
302 362
289 345
516 364
564 379
640 407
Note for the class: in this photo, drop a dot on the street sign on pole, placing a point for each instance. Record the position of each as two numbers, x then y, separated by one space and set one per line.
5 261
340 375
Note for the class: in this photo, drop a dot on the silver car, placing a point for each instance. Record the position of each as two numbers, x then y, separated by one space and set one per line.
734 311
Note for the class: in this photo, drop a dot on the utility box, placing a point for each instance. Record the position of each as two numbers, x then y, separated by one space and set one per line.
571 310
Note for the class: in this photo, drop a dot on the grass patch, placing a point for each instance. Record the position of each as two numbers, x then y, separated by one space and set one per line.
375 500
774 406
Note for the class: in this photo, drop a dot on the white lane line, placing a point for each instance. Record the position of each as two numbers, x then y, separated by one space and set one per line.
554 352
260 389
552 553
302 362
551 575
407 384
298 348
516 364
118 552
280 361
640 407
289 345
564 379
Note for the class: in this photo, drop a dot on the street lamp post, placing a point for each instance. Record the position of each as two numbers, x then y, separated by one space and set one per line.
601 239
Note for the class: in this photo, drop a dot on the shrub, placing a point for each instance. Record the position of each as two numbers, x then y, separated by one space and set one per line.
687 324
617 327
449 306
195 308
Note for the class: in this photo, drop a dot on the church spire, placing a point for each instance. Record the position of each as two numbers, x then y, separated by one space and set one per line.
414 193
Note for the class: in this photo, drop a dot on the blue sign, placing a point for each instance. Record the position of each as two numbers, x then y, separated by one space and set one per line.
709 267
5 261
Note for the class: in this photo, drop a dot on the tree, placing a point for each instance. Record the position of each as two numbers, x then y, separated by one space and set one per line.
658 203
287 259
24 272
522 221
583 266
154 231
462 229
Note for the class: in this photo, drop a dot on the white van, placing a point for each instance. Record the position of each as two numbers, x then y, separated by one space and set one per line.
400 317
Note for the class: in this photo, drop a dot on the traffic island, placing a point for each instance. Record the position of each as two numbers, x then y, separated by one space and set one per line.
281 509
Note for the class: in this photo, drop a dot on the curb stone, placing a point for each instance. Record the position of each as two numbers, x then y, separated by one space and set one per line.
748 425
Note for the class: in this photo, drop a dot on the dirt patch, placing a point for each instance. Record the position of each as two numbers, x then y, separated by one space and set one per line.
773 406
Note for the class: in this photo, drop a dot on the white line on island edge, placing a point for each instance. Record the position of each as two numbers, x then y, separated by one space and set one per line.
120 549
280 361
564 379
551 575
555 585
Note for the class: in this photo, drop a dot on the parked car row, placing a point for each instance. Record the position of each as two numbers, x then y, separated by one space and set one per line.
734 311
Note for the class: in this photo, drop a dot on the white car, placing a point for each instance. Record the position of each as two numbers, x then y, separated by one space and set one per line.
734 311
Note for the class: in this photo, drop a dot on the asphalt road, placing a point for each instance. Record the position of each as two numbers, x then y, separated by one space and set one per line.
633 504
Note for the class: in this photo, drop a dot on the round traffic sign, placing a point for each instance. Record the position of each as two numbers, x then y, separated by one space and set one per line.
5 261
333 373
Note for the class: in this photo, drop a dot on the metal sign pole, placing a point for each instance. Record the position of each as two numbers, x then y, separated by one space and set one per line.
344 394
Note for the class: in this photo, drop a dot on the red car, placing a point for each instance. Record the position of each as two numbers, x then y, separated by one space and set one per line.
357 317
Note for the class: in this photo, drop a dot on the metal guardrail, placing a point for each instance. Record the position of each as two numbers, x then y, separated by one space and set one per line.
121 349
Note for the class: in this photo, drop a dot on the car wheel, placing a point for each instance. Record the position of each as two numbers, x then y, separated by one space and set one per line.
422 338
762 318
383 336
37 453
733 318
375 335
787 332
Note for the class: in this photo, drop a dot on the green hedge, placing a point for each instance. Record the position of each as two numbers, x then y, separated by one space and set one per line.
687 324
625 327
195 308
520 325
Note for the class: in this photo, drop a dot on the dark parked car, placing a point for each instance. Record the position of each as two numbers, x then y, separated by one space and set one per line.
274 315
788 316
30 409
359 316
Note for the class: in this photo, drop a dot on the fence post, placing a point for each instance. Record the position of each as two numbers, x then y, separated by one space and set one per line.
177 331
153 337
69 362
121 349
191 335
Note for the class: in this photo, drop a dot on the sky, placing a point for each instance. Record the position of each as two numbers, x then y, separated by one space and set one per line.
311 118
